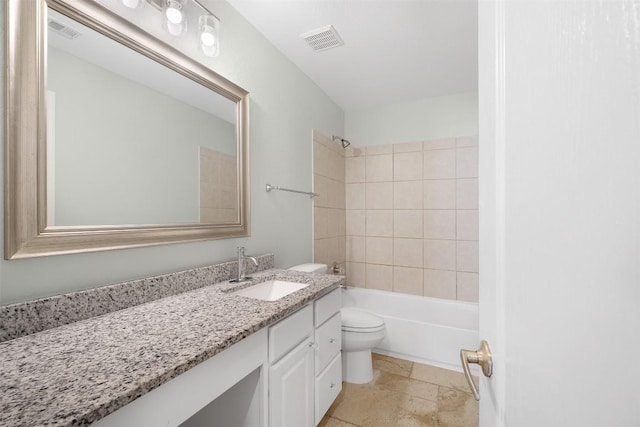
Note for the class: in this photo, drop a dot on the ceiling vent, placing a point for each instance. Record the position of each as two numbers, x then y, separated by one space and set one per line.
63 30
323 38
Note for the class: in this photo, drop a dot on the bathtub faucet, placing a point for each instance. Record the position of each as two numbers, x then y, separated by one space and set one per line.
242 266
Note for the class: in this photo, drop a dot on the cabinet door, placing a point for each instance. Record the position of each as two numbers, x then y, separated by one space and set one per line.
291 387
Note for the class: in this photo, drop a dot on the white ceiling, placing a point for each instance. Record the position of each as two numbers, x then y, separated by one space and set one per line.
395 50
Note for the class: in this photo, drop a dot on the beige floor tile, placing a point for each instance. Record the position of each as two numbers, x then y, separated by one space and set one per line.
392 365
407 394
456 409
443 377
334 422
370 406
392 382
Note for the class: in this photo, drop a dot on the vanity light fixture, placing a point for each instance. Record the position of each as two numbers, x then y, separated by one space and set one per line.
133 4
177 13
208 27
174 21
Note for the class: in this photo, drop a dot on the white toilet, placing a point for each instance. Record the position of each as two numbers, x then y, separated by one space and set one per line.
361 332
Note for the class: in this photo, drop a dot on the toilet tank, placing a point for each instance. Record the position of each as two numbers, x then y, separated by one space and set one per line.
310 268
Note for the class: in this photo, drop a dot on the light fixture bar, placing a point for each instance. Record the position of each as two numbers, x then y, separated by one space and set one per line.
176 14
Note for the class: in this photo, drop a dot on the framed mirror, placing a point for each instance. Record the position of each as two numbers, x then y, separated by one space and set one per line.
115 139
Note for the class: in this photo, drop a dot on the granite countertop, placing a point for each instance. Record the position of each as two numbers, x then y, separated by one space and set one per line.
78 373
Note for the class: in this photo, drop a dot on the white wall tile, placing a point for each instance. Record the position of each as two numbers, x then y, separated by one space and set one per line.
439 164
440 284
467 284
379 195
379 250
379 277
408 223
379 223
467 193
355 222
379 168
440 224
408 252
467 256
440 254
467 225
408 280
467 162
354 169
407 167
407 195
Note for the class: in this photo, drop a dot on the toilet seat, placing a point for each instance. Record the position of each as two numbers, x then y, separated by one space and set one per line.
355 320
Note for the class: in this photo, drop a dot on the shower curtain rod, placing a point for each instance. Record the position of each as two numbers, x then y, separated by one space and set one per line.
270 187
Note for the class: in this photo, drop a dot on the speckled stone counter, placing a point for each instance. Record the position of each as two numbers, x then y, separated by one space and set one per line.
29 317
80 372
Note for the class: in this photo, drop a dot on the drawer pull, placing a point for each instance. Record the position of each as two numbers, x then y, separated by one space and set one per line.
333 385
313 345
332 340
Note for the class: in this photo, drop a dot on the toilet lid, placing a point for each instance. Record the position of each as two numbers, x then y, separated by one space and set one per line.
353 318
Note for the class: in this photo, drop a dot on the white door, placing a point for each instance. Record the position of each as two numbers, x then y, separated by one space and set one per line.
560 212
291 387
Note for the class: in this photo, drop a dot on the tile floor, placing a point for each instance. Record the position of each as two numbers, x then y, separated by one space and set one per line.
404 393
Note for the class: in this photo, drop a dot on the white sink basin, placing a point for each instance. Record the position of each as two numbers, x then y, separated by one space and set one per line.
270 291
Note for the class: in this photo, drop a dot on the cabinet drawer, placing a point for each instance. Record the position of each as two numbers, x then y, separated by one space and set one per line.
289 332
329 341
328 386
327 306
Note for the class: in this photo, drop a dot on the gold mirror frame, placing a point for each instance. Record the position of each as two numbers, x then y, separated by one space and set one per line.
26 231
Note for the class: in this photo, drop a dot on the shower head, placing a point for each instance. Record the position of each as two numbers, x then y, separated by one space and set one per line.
345 142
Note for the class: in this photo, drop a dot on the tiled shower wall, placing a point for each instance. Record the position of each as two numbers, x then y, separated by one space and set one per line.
217 186
412 218
329 207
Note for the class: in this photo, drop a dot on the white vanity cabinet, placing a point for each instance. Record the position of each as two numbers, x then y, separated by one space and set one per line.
291 374
305 375
328 355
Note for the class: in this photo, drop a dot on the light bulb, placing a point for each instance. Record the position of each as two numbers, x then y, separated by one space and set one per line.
208 26
208 38
174 15
132 4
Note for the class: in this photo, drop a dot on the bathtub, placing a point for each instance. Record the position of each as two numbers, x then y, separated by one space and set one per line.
420 329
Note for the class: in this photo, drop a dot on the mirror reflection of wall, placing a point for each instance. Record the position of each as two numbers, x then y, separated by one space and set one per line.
129 138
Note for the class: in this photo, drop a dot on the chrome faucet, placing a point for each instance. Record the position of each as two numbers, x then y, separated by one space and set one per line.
242 267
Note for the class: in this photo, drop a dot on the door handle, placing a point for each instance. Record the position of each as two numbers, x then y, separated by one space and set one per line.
481 357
